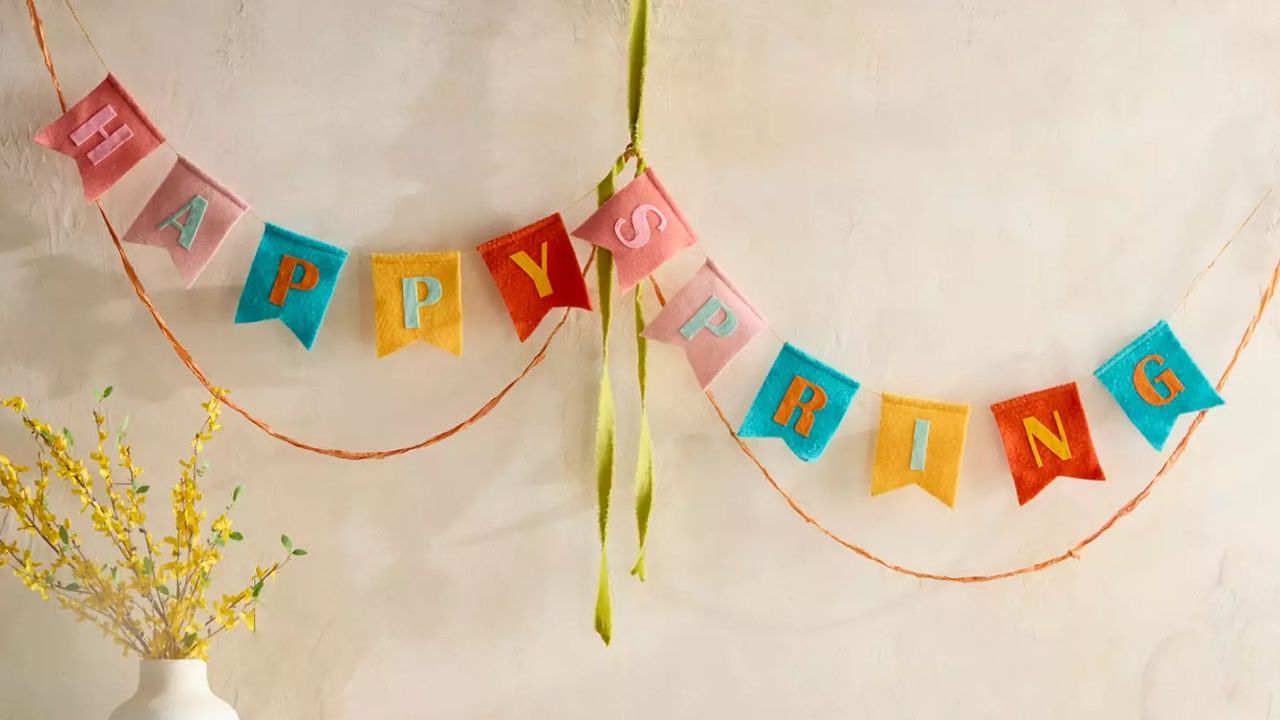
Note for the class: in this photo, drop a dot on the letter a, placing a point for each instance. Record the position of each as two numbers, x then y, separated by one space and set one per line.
194 211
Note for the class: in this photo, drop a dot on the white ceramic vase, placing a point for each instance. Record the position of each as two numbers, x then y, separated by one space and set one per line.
174 690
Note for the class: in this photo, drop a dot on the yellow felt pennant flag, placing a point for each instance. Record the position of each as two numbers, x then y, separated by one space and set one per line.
417 296
920 443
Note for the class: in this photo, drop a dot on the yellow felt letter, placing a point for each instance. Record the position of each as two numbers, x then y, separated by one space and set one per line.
536 271
1057 444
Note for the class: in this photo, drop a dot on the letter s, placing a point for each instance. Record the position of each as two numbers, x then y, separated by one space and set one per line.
641 224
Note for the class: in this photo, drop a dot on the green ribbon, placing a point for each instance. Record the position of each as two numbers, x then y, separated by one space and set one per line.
644 457
606 425
606 420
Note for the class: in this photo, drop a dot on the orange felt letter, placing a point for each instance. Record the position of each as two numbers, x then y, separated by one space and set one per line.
1147 391
284 278
794 399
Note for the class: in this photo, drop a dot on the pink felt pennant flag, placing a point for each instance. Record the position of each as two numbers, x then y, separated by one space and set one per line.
106 133
189 215
641 226
710 319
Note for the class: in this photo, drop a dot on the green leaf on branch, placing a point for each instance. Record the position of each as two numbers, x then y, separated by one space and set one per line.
237 536
235 494
189 639
148 566
73 587
64 536
299 552
142 489
257 589
105 393
66 433
163 590
286 542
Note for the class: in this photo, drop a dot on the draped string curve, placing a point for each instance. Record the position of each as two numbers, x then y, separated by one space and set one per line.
187 359
1268 294
794 504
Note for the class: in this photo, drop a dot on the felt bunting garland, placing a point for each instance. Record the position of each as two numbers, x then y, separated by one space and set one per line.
107 134
801 401
417 296
641 226
536 270
1046 436
188 215
292 278
1155 380
921 442
710 319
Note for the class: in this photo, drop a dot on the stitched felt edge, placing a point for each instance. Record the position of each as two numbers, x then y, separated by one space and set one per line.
827 370
715 270
317 245
208 180
124 94
1030 397
662 190
532 228
1128 350
412 258
925 404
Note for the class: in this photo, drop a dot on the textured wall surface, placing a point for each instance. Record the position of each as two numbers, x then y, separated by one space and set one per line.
961 200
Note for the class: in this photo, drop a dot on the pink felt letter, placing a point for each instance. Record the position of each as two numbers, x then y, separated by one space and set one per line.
124 134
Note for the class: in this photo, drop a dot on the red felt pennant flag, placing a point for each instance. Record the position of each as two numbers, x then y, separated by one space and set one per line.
1046 435
536 269
106 133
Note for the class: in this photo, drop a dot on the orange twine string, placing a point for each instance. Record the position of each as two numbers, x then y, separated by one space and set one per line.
1073 552
187 359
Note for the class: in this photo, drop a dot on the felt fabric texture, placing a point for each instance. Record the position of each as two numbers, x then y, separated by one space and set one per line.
803 400
172 216
107 134
1046 436
421 287
535 269
1155 380
920 442
641 226
304 293
710 319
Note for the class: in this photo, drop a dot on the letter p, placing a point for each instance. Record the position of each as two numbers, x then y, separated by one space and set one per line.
412 305
703 320
285 278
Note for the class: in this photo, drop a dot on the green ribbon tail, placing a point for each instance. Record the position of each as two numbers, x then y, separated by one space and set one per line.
637 61
644 457
606 425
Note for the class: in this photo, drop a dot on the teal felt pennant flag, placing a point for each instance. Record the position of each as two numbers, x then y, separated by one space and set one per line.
1155 380
292 278
802 401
